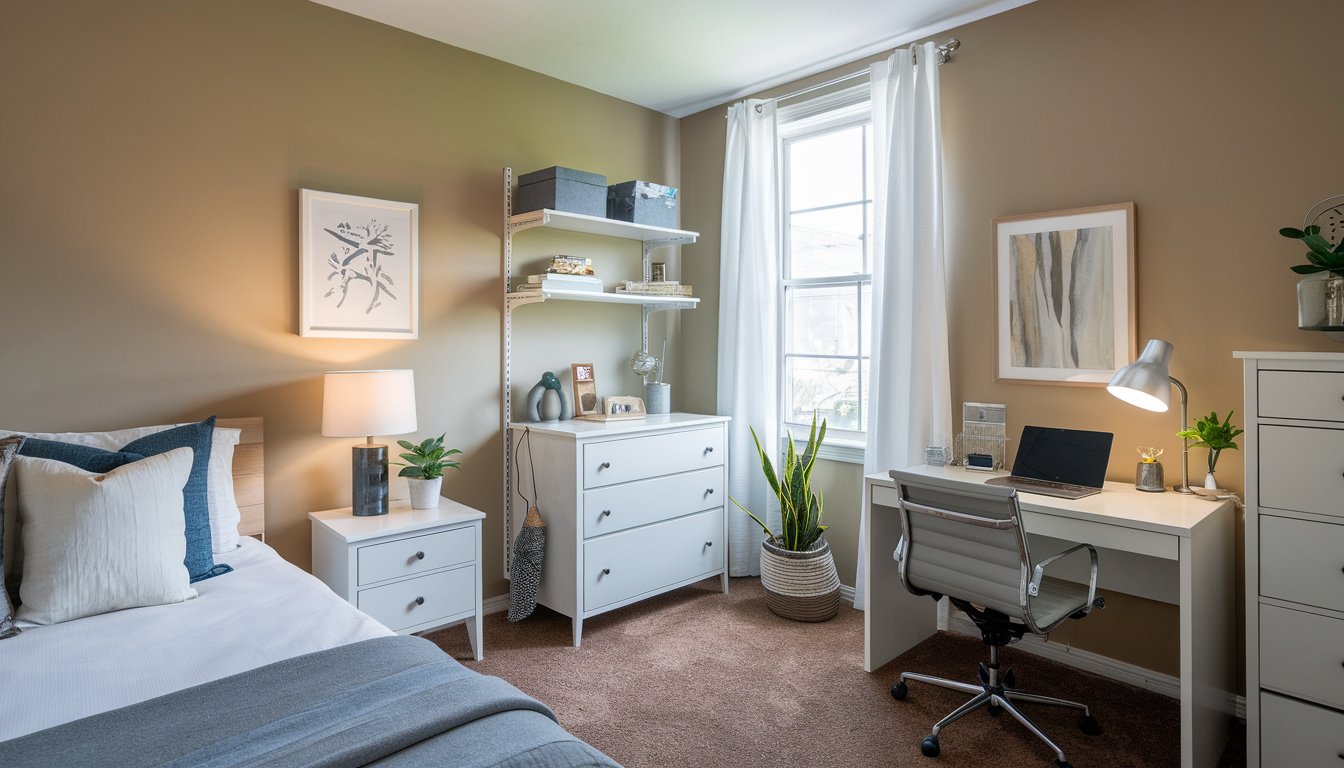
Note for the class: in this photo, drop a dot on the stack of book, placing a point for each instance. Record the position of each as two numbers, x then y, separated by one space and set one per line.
660 288
552 281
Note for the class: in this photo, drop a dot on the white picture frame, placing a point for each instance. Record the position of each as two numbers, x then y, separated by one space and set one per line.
1064 304
359 267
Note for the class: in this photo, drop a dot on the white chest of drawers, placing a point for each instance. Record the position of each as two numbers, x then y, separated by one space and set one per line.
1294 559
632 508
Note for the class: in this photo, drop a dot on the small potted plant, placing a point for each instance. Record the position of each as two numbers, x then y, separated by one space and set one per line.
797 569
1320 295
423 469
1217 436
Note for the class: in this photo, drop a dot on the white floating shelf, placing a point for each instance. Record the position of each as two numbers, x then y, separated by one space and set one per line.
599 225
551 294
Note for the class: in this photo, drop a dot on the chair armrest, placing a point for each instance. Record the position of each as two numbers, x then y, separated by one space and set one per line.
1038 576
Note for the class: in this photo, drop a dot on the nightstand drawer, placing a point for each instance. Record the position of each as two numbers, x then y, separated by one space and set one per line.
640 458
1314 395
630 563
1301 561
618 507
1301 654
423 599
1299 735
1302 469
416 554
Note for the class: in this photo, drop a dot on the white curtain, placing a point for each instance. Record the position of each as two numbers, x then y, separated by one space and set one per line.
910 395
748 323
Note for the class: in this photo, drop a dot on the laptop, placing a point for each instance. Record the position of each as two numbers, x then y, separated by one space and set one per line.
1067 463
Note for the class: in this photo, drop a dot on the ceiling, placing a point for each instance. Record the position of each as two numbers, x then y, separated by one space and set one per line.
675 56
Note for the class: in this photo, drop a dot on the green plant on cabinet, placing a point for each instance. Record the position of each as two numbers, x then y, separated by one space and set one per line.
427 460
1212 434
1321 257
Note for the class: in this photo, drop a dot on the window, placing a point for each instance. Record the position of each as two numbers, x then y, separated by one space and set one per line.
826 218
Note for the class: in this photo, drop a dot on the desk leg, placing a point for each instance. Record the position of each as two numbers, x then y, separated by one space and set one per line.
1208 640
895 620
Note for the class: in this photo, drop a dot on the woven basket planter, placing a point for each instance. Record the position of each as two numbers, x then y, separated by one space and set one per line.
802 586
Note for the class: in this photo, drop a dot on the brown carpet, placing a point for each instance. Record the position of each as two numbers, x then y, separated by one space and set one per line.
696 678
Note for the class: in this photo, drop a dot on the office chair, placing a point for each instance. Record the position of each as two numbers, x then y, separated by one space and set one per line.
965 542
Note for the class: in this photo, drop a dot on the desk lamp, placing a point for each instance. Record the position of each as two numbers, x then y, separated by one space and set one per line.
1146 383
364 404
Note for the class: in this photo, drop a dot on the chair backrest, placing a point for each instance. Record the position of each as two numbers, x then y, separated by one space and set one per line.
964 541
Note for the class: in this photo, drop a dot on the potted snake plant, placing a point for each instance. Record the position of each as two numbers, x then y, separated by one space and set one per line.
797 569
423 469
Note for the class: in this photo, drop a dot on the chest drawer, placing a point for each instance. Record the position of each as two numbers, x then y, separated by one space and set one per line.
1300 735
416 554
638 458
1317 395
422 599
630 563
1302 469
1301 561
1301 654
618 507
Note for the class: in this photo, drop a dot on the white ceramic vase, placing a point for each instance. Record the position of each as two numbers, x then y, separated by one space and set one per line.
1210 482
424 493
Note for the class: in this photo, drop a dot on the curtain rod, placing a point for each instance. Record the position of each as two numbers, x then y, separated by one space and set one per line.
944 56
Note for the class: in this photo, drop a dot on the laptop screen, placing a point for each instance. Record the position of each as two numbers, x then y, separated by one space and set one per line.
1063 455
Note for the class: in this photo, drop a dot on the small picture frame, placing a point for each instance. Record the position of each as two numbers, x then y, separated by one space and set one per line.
624 408
586 402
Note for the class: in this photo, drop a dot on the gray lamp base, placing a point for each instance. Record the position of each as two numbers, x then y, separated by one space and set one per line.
369 481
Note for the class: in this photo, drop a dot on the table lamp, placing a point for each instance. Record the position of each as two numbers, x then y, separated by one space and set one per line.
365 404
1146 383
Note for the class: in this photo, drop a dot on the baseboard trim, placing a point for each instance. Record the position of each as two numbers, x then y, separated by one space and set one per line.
496 604
847 595
1113 669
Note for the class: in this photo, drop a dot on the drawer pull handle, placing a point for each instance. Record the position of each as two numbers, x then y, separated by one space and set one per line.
604 465
606 571
419 601
709 491
606 513
710 449
419 555
709 543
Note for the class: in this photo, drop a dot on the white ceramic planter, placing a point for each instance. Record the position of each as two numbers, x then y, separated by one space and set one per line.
424 493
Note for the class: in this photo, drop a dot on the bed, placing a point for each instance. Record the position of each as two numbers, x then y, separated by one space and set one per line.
266 666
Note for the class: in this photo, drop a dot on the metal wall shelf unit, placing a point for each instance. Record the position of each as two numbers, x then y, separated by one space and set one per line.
649 237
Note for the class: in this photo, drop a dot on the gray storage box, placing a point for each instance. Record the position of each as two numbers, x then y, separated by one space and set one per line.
643 202
562 189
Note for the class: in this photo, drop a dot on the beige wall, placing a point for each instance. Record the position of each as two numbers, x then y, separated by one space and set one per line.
152 156
1216 119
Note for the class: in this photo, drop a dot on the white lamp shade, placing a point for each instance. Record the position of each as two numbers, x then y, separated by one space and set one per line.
1146 382
368 403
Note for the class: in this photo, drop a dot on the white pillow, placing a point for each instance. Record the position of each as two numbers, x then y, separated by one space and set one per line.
224 514
97 543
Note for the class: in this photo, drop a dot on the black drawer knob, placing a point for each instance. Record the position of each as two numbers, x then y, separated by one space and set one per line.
606 571
606 513
710 449
709 491
419 555
709 543
419 601
604 465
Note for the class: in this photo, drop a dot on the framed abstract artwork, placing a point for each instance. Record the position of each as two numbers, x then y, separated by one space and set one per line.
1064 295
358 267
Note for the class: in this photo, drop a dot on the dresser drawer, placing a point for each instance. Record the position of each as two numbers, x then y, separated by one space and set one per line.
618 507
1301 561
630 563
1299 735
1302 469
638 458
422 599
416 554
1301 654
1315 395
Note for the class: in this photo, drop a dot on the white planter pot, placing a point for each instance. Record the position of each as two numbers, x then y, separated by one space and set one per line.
424 493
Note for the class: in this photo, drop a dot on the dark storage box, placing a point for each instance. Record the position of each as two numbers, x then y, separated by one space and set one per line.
562 189
643 202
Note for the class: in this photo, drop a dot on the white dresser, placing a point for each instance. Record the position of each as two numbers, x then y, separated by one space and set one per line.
632 508
1294 559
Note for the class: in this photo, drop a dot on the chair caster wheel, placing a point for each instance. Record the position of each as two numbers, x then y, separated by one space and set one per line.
929 746
994 709
1089 725
899 690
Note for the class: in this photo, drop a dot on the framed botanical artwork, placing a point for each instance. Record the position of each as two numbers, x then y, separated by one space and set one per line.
585 389
1064 295
358 267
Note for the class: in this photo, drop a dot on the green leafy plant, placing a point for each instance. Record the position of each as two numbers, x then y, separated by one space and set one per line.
428 459
1321 257
1212 434
799 507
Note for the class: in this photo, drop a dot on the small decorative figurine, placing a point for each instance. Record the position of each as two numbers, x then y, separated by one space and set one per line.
549 383
1148 475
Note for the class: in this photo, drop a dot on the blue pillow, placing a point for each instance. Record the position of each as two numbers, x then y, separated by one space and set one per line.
200 559
85 457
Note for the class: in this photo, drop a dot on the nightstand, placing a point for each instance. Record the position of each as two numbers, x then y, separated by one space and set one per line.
412 570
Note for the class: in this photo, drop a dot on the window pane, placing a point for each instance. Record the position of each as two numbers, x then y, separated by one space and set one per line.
830 387
866 321
827 243
826 169
823 320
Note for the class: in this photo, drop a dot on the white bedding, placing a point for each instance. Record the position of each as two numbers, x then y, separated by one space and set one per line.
264 611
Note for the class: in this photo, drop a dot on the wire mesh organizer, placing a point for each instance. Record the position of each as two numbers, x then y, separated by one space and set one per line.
984 429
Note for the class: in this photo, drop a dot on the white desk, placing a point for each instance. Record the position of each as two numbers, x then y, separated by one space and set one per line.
1131 529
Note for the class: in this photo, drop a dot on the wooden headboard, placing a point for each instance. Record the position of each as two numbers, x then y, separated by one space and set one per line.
249 475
